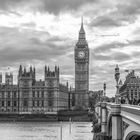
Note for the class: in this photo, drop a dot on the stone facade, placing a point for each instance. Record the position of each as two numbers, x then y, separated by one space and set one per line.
82 70
30 96
130 89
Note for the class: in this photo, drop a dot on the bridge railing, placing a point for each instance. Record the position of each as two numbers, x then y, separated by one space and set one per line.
131 112
104 110
111 117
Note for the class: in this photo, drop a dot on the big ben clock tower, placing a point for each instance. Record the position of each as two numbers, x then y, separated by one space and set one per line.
81 70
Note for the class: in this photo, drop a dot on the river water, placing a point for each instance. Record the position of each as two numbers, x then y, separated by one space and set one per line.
45 131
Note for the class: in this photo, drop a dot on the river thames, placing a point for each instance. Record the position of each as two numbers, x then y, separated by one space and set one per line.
45 131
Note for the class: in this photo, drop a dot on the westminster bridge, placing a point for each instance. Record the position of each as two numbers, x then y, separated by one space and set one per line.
119 121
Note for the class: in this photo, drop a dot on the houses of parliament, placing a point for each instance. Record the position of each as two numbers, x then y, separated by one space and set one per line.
30 96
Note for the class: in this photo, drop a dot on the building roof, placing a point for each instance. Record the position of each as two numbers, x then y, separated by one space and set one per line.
131 81
131 78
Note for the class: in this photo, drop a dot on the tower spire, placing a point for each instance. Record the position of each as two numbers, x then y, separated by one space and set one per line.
82 21
82 31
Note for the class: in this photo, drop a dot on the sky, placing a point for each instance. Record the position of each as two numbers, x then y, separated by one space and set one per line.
44 32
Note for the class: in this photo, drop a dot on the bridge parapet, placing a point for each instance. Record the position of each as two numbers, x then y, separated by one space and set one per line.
130 121
131 112
119 122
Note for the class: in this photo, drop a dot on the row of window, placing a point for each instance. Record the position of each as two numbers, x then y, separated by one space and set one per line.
25 103
134 96
9 103
9 94
37 103
16 110
8 110
34 94
38 94
134 90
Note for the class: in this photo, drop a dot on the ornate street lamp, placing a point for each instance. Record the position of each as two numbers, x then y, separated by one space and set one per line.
104 92
104 89
117 77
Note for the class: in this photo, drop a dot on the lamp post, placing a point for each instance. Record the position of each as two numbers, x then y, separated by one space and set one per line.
104 89
117 77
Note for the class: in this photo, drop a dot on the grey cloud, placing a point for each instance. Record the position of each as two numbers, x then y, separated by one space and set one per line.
134 42
26 46
105 21
29 24
108 47
113 19
102 69
136 31
129 8
8 4
12 55
117 56
52 43
55 6
101 74
121 56
126 12
106 54
52 6
102 57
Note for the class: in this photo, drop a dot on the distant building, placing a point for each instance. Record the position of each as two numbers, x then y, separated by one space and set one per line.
30 96
130 89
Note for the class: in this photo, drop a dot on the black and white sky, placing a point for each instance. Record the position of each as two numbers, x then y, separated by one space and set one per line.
39 32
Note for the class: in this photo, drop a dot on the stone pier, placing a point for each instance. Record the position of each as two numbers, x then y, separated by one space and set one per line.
116 122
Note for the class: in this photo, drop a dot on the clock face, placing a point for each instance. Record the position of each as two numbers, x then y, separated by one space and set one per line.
81 54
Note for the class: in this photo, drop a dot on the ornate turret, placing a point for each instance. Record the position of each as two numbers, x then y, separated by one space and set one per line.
54 73
0 78
51 77
25 76
34 72
24 70
20 70
9 78
31 69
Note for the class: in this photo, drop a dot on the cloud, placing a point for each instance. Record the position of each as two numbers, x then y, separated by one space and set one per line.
105 21
26 46
54 6
51 6
104 48
119 57
28 25
7 4
129 7
118 13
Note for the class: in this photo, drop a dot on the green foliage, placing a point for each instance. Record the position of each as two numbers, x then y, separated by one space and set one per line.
94 118
93 100
97 128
